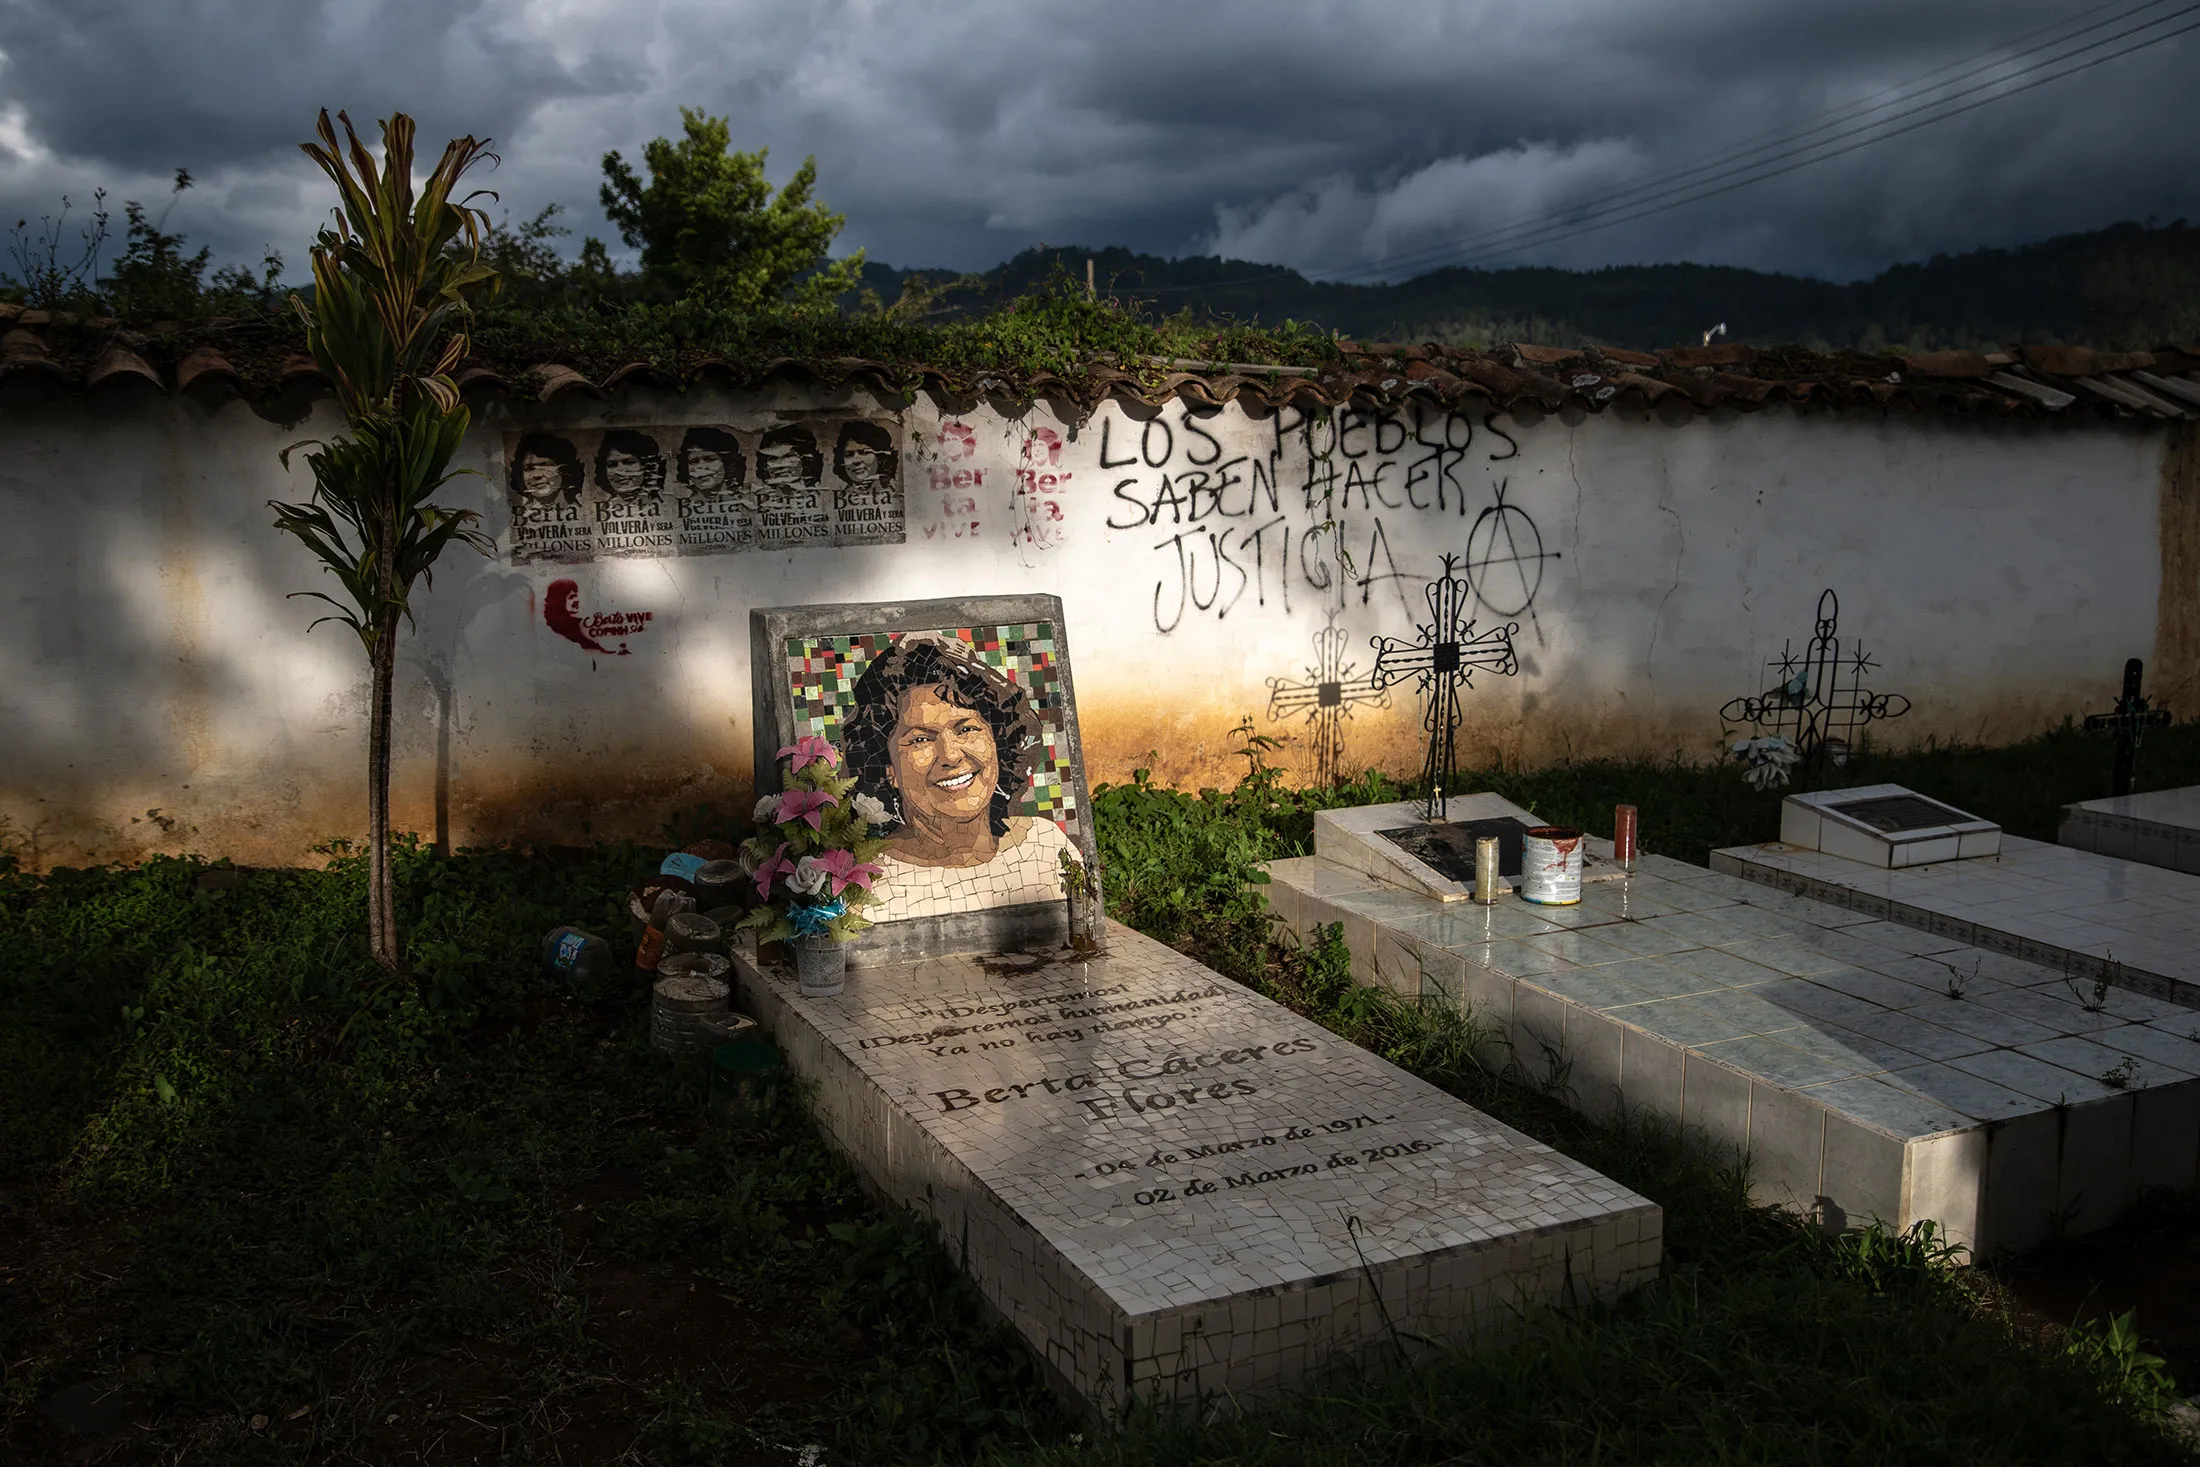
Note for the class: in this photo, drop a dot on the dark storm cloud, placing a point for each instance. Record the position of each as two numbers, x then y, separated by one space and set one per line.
1319 136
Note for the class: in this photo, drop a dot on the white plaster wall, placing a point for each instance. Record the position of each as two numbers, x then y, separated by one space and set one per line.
163 693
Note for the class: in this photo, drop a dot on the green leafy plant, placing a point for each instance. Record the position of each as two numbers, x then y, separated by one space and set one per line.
394 278
709 225
2125 1367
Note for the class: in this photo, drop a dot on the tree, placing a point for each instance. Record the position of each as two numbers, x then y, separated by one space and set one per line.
394 278
707 222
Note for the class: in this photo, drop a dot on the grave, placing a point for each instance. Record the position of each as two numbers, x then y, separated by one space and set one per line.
2091 918
1867 1068
1396 844
1884 825
1179 1191
2157 829
1174 1189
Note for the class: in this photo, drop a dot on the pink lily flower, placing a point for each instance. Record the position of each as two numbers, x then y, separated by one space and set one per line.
774 865
807 805
810 749
846 871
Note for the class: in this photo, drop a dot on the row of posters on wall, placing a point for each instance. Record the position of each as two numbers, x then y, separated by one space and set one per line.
704 489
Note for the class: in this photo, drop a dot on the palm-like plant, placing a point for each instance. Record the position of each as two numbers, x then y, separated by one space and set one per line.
394 277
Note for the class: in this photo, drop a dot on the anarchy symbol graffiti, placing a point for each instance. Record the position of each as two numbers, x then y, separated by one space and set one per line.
1504 559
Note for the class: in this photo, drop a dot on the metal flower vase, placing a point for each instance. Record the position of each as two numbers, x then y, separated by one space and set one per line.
820 965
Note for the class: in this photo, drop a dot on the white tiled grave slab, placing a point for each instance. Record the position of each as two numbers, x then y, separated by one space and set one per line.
2089 917
1177 1190
2161 828
1885 825
1352 836
1823 1043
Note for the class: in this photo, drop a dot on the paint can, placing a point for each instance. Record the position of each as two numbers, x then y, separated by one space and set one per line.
1489 881
1623 837
1550 866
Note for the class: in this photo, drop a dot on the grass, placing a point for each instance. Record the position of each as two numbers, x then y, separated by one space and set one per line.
296 1214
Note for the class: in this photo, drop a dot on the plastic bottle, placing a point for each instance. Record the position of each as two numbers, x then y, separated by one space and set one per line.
576 955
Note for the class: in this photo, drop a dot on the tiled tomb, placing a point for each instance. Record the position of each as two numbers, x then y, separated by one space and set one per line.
1885 825
1830 1046
2160 829
2087 916
1177 1190
1354 836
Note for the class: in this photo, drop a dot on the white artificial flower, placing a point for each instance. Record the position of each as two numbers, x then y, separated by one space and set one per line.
766 808
1767 759
870 808
809 877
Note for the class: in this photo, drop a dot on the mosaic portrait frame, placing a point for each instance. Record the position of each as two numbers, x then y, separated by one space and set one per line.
804 661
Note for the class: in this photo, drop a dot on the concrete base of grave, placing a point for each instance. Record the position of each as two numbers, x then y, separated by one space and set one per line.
1178 1191
2092 918
1865 1069
2161 828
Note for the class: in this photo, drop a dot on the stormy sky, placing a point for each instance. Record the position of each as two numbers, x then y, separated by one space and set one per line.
1355 140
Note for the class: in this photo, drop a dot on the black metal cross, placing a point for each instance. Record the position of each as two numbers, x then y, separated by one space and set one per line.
1442 655
1327 699
1819 703
2129 719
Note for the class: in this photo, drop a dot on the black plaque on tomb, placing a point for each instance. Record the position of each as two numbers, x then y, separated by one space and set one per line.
1893 814
1449 848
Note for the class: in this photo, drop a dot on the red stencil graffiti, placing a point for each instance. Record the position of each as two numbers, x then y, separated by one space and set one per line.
561 612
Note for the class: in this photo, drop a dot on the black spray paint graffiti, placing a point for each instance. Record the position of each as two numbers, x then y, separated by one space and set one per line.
1310 517
1505 555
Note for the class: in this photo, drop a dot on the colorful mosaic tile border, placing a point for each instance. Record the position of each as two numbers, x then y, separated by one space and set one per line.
822 673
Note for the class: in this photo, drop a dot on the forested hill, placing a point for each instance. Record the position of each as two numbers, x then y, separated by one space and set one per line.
2128 286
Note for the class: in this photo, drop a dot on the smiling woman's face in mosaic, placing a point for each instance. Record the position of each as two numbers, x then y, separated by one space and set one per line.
944 761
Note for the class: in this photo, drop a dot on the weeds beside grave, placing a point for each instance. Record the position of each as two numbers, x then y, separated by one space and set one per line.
296 1212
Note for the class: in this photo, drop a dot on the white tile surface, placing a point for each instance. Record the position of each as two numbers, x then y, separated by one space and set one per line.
2161 828
1142 1162
2077 911
1722 984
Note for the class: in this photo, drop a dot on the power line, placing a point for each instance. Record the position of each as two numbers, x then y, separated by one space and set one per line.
1585 217
1564 231
1914 107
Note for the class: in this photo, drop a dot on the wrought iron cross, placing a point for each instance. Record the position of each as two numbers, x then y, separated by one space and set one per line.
2130 717
1819 702
1326 698
1443 654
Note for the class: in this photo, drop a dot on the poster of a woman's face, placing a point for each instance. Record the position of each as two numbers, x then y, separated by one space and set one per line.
788 457
711 462
545 469
629 464
865 457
